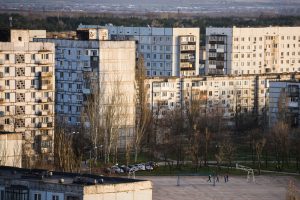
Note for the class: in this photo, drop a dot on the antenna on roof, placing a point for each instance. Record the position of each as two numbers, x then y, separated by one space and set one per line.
10 22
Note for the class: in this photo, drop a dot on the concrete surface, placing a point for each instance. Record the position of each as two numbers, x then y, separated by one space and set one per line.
193 187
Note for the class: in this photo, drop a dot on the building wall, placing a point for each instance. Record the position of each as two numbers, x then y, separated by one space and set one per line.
159 47
224 94
284 102
259 50
11 149
27 96
126 191
84 66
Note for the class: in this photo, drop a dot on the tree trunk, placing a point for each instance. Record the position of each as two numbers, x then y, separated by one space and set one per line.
136 151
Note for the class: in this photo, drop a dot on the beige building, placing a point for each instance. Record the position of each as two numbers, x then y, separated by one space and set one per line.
26 184
226 95
27 86
262 50
11 149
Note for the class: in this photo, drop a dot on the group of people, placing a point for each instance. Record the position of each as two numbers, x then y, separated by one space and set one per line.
226 178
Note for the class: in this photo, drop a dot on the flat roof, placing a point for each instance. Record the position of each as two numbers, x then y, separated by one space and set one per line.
65 178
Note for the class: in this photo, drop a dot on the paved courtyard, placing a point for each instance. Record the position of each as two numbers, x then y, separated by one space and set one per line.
193 187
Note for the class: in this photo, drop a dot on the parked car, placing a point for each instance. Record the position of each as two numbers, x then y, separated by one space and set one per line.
116 169
152 164
133 168
148 167
141 166
125 168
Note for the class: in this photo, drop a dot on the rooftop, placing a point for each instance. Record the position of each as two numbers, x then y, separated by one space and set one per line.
44 176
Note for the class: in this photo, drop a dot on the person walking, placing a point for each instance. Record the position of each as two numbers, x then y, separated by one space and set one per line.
209 178
217 178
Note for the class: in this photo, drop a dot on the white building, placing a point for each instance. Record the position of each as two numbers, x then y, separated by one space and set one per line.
27 85
26 184
252 50
166 51
226 95
11 149
284 99
89 63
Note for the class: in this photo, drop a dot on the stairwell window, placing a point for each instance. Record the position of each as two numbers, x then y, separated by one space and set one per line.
37 197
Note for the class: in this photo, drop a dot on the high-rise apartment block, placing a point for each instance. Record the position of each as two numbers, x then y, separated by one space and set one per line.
92 66
224 95
166 51
27 85
263 50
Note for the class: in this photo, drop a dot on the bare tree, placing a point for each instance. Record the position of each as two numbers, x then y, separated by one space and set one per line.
259 145
3 153
279 138
64 154
144 114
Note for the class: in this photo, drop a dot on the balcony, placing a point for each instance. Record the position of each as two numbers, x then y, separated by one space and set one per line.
38 113
293 104
44 125
42 62
46 74
86 91
38 125
49 124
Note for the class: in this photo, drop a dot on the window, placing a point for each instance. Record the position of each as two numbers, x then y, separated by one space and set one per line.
55 197
6 82
6 56
7 121
45 56
32 69
6 70
45 69
7 96
20 39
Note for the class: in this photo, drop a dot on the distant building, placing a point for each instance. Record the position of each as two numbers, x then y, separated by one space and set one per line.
252 50
166 51
11 149
226 95
26 184
27 85
284 99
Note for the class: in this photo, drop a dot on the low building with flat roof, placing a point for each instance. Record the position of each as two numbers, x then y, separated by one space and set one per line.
25 184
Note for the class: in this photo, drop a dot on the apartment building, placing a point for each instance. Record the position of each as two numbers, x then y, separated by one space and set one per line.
226 95
166 51
92 65
27 85
26 184
284 99
264 50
